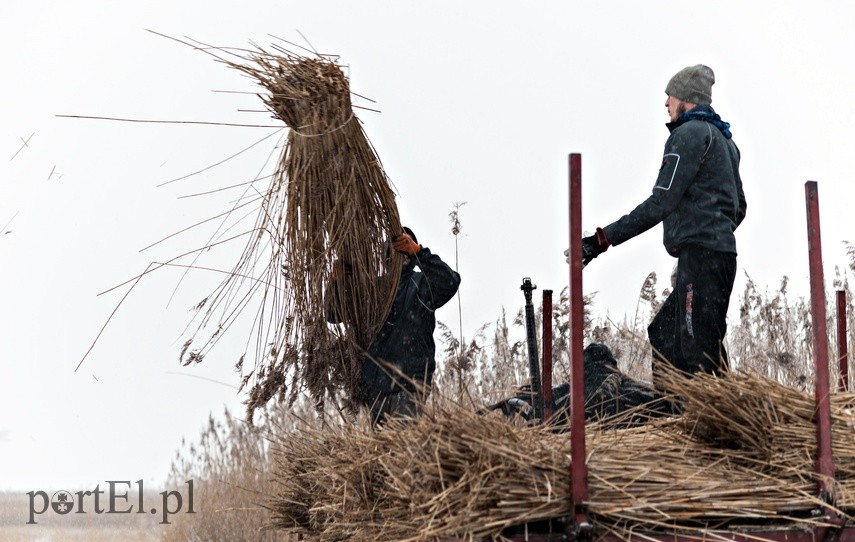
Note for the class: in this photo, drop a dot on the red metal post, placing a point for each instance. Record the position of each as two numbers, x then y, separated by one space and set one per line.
578 468
546 363
842 341
792 534
825 460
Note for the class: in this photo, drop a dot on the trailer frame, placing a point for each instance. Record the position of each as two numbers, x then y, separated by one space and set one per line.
576 525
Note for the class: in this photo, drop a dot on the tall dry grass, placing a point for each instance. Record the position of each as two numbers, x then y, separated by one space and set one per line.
231 467
74 526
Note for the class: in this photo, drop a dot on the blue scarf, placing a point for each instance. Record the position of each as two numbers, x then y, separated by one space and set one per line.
705 113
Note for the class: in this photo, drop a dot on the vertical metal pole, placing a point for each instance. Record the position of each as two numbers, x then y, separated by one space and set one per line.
531 341
824 460
546 363
578 468
842 341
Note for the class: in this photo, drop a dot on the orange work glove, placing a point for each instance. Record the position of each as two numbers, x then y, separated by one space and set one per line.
404 243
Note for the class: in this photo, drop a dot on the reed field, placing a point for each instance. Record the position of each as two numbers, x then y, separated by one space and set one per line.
50 527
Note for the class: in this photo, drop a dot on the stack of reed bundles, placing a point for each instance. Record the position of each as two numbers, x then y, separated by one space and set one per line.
742 456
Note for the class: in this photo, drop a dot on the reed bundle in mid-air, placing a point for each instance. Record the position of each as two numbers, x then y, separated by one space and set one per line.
329 200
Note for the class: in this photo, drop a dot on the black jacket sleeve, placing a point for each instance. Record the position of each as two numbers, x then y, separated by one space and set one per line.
740 213
682 158
439 282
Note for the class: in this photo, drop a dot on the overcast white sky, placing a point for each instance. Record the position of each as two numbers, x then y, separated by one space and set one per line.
481 102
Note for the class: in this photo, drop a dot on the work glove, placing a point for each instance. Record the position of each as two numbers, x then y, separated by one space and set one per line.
405 244
593 246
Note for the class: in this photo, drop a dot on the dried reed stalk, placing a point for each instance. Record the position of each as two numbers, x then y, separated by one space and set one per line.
452 473
329 200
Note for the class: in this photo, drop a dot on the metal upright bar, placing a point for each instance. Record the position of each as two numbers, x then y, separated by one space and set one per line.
824 460
842 342
546 363
578 468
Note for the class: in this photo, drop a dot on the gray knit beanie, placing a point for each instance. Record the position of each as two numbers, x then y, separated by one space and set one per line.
692 84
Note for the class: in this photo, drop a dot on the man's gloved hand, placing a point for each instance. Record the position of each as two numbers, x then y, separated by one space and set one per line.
593 246
404 243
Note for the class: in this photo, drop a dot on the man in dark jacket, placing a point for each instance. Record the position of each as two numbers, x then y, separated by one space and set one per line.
399 366
611 397
699 199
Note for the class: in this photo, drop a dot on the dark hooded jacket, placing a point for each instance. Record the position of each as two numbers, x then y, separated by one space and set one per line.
405 341
611 397
698 194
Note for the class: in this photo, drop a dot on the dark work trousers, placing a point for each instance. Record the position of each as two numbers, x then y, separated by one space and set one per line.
404 403
688 331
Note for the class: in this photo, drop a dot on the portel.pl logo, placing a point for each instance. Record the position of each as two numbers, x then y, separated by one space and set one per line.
114 500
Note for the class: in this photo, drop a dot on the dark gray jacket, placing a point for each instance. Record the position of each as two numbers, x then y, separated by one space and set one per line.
406 339
698 194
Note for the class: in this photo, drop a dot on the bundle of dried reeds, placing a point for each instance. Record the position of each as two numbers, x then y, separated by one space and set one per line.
452 473
329 201
443 475
772 426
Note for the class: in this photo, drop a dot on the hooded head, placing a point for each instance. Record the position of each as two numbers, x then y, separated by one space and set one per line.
409 232
387 245
692 84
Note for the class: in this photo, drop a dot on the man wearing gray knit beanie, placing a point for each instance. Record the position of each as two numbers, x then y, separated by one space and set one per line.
698 198
692 84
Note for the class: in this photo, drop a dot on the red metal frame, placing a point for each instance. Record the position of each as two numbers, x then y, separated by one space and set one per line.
782 535
580 525
824 460
546 360
842 342
577 523
846 534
